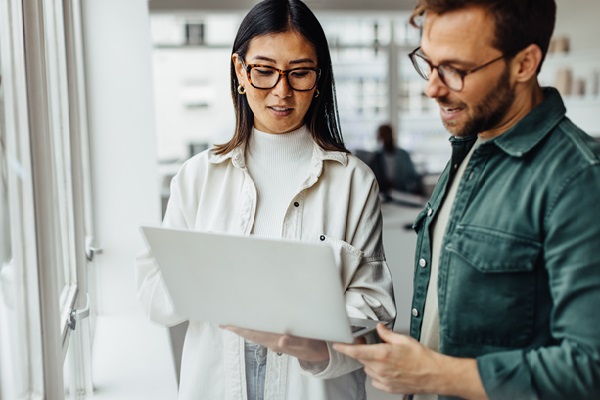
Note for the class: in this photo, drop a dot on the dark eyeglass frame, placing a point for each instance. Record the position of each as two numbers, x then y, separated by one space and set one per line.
248 68
462 73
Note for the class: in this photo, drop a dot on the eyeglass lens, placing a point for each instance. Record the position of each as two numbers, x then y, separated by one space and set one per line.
298 79
448 75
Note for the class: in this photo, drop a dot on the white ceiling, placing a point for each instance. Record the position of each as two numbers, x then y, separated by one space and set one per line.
237 5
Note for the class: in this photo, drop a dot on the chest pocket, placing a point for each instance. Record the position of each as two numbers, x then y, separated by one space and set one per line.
347 257
489 296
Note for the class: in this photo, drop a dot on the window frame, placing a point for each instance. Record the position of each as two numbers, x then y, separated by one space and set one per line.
49 196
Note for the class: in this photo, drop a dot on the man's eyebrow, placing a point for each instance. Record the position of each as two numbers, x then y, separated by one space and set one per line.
450 61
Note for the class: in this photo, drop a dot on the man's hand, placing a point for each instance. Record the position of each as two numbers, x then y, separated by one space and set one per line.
304 349
403 365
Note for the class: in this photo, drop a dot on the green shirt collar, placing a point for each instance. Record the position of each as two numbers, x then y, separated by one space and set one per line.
535 126
529 131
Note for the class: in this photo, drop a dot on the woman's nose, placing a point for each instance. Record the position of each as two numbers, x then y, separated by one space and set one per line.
283 88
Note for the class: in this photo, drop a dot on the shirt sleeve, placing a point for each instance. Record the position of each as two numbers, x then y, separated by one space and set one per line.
151 290
365 273
570 367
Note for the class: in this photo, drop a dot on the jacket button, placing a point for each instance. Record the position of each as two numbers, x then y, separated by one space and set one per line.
429 212
415 312
296 204
322 237
422 263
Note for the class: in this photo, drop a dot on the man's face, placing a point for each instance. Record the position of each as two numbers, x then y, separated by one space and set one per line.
463 40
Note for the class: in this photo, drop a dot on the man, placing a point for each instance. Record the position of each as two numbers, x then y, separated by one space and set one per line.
507 267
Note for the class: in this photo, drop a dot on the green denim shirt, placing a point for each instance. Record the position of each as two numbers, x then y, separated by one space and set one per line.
519 271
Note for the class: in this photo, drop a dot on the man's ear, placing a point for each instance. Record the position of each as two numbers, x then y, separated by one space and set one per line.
526 62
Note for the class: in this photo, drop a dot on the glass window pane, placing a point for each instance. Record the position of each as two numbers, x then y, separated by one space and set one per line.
58 104
5 251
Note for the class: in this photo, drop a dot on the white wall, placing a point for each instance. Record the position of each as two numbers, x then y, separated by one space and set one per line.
192 99
578 19
235 5
122 139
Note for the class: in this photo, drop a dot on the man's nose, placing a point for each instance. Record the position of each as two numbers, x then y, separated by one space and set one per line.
435 87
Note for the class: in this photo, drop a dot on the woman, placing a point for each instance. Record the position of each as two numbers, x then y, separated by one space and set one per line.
284 174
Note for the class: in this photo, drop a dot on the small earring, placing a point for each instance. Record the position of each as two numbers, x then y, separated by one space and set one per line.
241 89
317 93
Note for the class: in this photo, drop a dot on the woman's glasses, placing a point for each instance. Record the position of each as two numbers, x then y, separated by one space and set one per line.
266 77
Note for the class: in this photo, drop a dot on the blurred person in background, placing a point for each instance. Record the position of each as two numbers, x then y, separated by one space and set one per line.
399 170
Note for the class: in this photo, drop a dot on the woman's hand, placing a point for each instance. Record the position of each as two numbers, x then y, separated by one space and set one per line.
308 350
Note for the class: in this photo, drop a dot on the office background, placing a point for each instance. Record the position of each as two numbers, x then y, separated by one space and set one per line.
375 84
150 102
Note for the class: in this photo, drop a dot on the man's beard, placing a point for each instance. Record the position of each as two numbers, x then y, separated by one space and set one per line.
489 112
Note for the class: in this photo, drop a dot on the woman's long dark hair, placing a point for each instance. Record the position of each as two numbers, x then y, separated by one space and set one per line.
279 16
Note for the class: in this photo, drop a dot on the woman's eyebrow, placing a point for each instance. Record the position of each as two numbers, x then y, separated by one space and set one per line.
303 61
263 58
298 61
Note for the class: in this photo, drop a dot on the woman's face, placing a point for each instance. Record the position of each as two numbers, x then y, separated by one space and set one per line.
280 109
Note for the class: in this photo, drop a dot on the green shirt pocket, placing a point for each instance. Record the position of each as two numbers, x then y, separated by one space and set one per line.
489 291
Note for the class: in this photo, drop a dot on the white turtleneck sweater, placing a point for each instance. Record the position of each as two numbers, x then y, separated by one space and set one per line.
278 164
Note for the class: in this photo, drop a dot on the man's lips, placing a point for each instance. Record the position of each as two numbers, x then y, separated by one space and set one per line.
451 112
450 108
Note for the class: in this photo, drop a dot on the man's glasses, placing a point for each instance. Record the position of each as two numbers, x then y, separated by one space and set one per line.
453 78
266 77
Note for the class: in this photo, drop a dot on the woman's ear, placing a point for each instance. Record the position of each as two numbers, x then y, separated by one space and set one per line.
239 68
526 63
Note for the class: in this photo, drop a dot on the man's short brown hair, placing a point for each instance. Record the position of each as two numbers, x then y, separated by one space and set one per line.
518 23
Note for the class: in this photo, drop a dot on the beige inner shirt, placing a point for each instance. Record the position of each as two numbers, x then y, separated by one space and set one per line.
430 330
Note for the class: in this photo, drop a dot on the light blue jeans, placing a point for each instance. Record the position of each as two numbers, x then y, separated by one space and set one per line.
256 366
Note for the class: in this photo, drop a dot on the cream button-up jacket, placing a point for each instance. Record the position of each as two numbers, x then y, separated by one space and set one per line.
338 205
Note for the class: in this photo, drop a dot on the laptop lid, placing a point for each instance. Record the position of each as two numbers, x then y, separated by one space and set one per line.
278 286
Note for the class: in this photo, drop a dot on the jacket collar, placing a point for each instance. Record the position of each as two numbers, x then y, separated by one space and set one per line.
529 131
236 156
535 126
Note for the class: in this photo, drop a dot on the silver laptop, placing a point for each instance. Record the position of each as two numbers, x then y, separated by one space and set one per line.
278 286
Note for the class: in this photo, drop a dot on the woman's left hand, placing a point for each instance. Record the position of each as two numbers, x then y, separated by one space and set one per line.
304 349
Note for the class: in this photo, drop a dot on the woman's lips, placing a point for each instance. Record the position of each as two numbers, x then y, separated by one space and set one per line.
281 110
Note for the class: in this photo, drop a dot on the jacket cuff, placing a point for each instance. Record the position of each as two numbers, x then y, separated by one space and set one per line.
505 375
338 365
